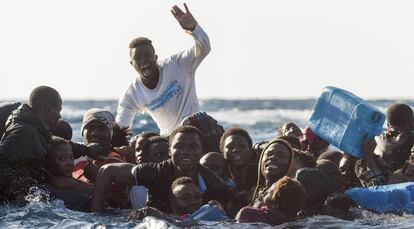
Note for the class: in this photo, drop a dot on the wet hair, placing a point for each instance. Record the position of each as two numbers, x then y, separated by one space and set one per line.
334 156
186 129
315 183
293 141
51 155
399 115
42 97
182 181
306 159
120 136
235 131
133 140
289 196
140 41
280 130
147 144
63 130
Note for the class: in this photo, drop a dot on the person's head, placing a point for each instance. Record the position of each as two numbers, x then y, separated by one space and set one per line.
275 161
186 196
333 155
46 104
138 141
289 129
333 175
293 141
215 162
155 149
63 130
143 57
338 206
315 184
400 117
236 146
209 128
303 159
286 195
312 143
120 135
60 157
97 126
185 148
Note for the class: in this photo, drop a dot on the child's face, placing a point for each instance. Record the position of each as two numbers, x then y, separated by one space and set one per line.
187 198
215 164
64 160
158 151
236 150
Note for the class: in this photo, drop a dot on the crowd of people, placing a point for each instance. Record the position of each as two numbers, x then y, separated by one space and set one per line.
194 161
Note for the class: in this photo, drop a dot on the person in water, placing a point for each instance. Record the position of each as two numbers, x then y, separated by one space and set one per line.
155 149
289 129
283 201
236 146
138 141
63 130
185 153
61 164
26 143
312 143
275 162
164 89
216 163
395 143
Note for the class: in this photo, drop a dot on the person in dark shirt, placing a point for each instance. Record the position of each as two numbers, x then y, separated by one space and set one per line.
185 151
395 143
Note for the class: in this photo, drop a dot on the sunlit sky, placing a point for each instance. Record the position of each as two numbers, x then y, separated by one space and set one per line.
260 49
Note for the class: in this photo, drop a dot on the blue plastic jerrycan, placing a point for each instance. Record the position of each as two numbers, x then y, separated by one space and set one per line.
343 119
394 198
208 213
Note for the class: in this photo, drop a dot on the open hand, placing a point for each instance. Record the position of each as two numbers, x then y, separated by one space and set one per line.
186 19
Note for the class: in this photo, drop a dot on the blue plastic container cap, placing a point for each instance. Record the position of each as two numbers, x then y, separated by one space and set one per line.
344 119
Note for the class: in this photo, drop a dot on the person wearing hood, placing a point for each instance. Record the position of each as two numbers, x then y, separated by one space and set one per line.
395 143
275 161
26 143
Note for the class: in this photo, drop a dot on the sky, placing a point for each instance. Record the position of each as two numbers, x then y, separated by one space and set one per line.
260 49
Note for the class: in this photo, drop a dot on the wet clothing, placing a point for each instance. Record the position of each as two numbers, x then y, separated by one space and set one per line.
158 177
174 97
395 150
5 111
23 153
251 214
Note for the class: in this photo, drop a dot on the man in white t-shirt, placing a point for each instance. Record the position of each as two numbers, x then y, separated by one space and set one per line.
164 89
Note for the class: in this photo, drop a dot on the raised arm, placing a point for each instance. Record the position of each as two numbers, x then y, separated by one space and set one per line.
192 57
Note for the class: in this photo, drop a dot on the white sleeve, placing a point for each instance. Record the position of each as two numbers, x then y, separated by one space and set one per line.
191 58
126 111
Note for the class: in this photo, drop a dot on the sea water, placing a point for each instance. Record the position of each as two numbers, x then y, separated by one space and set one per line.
260 118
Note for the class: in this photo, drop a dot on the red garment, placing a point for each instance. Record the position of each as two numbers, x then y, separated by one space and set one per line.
251 214
120 192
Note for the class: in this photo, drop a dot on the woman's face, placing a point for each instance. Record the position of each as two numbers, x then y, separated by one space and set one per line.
275 161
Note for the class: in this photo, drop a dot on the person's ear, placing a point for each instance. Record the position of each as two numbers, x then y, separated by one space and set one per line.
156 57
130 62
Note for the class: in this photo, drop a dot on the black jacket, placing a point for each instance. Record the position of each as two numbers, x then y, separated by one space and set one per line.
26 142
5 111
158 177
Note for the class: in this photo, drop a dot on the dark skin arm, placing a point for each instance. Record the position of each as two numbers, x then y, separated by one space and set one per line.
68 183
185 19
119 173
